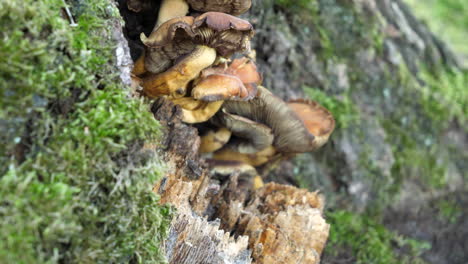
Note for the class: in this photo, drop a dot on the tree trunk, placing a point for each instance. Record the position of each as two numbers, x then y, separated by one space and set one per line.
365 60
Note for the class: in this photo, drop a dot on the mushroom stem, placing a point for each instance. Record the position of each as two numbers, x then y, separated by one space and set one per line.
170 9
139 65
174 81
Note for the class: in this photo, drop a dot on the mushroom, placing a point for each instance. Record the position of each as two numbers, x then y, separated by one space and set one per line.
318 120
174 43
237 82
217 87
213 140
292 128
251 137
226 33
209 34
170 9
255 159
233 7
196 111
174 81
176 8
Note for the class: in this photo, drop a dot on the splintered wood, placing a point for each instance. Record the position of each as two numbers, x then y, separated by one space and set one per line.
222 220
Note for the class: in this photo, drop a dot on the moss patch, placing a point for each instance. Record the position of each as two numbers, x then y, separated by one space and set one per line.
369 241
75 186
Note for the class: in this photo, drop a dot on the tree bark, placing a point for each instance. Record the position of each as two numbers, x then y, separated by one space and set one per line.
368 56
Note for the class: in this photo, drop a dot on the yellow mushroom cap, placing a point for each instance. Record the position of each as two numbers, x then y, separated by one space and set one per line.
196 111
317 119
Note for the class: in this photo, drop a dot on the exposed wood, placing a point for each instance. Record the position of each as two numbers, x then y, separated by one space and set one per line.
274 224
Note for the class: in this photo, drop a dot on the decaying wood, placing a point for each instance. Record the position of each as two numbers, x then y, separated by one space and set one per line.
221 219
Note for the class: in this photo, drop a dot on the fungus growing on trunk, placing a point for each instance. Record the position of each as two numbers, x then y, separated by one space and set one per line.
318 120
196 111
290 130
251 137
170 9
239 81
176 8
199 40
233 7
174 81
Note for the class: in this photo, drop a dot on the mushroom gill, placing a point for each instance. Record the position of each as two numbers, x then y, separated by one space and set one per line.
250 137
290 131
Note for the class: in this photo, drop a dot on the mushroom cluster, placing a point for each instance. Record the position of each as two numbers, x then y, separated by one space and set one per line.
187 59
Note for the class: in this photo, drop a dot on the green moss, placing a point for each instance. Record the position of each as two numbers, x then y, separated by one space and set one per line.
449 210
298 5
369 241
447 18
445 97
74 185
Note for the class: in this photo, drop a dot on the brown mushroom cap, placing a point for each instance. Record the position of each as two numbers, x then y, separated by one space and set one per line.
170 41
195 111
246 70
237 82
233 7
290 132
251 137
225 33
220 87
318 120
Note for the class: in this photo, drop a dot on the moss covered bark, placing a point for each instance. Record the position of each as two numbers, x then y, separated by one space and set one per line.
75 182
399 98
